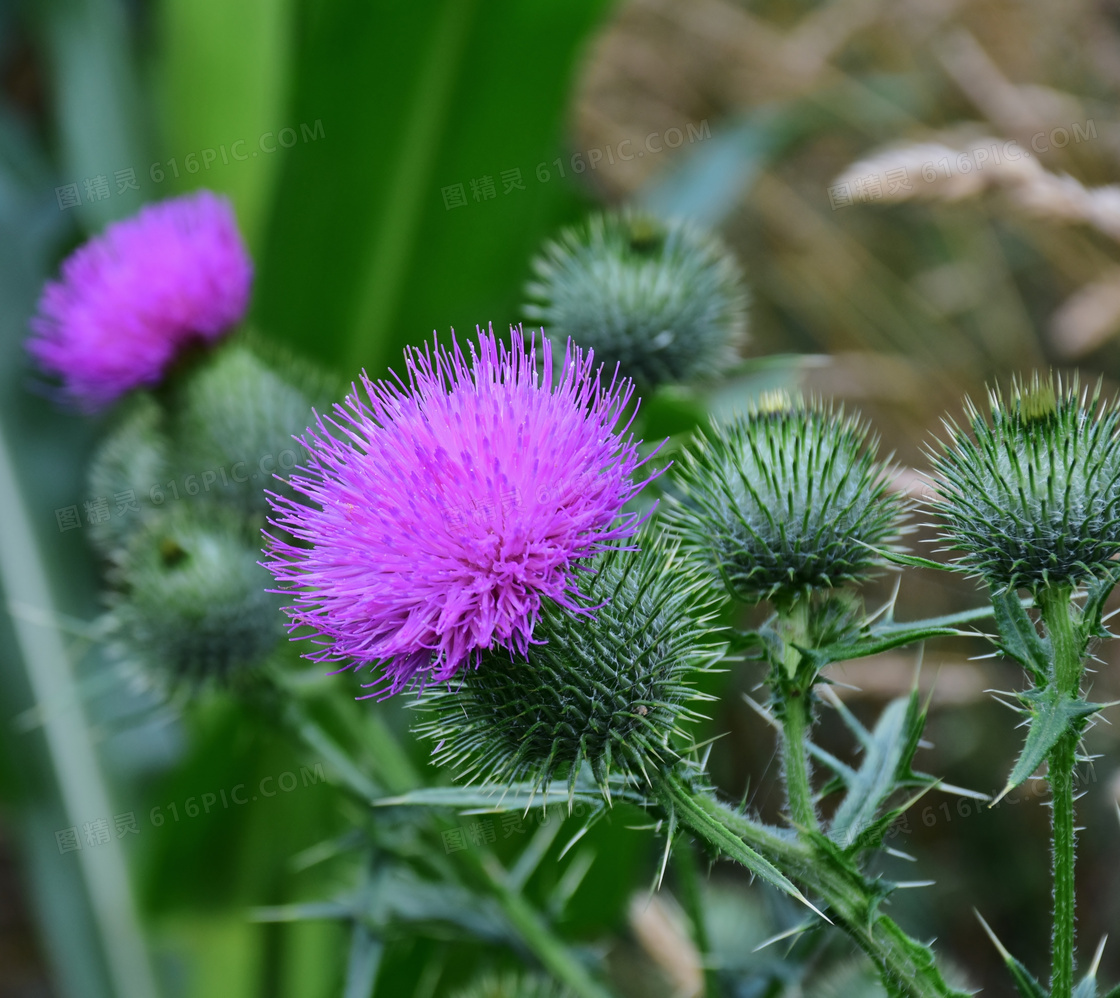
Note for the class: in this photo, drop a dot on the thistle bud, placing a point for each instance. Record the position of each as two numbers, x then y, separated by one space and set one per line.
193 603
662 300
131 460
237 419
608 687
785 500
1030 497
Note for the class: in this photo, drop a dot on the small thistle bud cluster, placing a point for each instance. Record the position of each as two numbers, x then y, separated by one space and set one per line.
662 300
607 688
786 499
1030 497
191 600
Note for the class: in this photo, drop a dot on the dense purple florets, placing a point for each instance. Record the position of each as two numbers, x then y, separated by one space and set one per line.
442 512
130 299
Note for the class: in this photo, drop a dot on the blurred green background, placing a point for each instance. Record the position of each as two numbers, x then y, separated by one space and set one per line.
394 166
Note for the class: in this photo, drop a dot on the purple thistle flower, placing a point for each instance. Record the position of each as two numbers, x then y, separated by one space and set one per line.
130 299
444 511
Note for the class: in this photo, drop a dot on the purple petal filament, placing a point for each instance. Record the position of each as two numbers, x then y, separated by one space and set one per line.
129 300
443 511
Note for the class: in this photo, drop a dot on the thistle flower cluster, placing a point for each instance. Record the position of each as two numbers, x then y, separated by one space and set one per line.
609 691
443 513
785 499
662 300
1030 497
129 301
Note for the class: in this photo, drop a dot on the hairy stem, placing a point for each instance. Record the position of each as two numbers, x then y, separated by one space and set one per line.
908 968
793 692
1066 648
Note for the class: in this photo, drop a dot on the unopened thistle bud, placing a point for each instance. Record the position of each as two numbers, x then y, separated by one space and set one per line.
785 500
131 462
1030 497
193 602
662 300
608 688
237 422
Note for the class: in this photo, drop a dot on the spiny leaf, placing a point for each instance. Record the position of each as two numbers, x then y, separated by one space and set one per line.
886 764
1098 593
1052 716
1026 983
1019 639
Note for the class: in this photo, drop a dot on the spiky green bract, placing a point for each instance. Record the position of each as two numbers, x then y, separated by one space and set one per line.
236 419
785 499
131 460
662 300
1031 495
609 688
513 985
193 603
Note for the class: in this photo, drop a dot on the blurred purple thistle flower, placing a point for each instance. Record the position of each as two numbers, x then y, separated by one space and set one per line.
130 299
444 511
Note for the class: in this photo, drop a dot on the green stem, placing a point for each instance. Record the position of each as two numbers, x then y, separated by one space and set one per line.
554 955
793 689
688 877
1065 642
906 966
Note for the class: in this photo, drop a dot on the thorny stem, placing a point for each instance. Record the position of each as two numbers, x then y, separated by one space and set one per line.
1066 648
907 967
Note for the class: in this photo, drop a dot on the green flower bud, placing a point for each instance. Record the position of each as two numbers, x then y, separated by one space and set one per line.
236 420
609 690
1031 496
131 459
193 603
785 500
663 300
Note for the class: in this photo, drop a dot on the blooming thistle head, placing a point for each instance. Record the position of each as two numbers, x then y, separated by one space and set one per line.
1031 496
663 300
129 300
786 499
442 512
609 691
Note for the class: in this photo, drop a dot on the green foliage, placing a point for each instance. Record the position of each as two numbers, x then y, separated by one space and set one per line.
512 985
784 500
1032 497
662 301
609 687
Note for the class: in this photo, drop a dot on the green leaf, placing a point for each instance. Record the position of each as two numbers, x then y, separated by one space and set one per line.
1114 993
1019 638
1097 596
912 560
1026 983
1052 715
223 79
885 768
516 797
415 98
366 951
